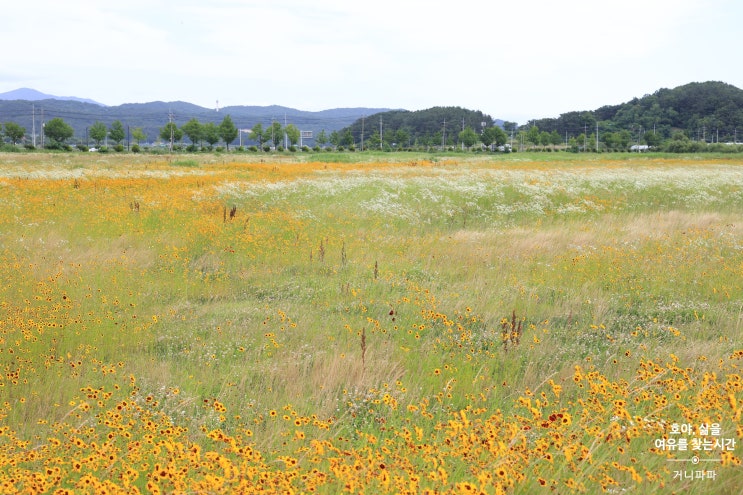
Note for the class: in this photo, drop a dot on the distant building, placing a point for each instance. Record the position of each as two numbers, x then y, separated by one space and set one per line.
639 148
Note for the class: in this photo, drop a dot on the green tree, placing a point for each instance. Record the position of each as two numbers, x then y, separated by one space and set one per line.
170 133
347 138
116 132
257 134
14 132
487 137
388 136
609 139
292 132
228 131
532 135
210 133
373 141
98 133
545 139
322 139
194 130
582 141
468 137
58 131
510 126
651 138
555 138
138 135
335 138
277 133
624 138
495 135
402 137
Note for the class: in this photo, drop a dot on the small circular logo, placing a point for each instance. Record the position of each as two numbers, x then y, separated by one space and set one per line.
695 460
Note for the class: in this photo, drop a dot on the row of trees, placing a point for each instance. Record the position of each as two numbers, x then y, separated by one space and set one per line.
56 132
607 141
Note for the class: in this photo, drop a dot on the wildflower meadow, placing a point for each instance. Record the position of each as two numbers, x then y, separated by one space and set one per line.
371 323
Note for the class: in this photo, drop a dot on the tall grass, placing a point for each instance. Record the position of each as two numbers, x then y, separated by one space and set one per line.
390 325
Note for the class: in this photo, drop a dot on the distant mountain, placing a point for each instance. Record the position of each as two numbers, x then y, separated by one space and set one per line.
29 94
20 105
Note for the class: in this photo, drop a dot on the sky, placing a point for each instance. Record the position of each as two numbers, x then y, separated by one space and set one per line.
515 60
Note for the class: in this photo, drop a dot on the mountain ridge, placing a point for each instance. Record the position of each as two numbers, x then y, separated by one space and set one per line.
30 94
81 113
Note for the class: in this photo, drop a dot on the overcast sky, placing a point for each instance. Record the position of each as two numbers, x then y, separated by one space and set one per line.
513 60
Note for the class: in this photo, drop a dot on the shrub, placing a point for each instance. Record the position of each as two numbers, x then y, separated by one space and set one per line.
253 148
293 148
186 163
82 147
119 148
266 148
29 146
136 148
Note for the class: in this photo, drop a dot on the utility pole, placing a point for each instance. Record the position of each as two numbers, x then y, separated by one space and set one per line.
381 136
172 134
511 139
286 143
585 137
42 127
597 137
362 132
33 124
462 131
443 137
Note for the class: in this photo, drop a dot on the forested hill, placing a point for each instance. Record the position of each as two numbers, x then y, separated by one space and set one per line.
421 127
703 111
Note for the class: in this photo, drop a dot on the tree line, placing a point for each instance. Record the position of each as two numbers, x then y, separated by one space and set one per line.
689 118
708 112
56 133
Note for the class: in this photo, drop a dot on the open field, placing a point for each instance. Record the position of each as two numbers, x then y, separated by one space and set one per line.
391 323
